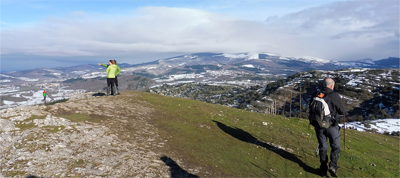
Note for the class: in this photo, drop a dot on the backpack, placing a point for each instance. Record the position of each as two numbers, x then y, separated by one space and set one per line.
320 113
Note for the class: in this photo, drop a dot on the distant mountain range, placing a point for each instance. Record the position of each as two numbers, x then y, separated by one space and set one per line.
270 61
257 63
252 63
240 69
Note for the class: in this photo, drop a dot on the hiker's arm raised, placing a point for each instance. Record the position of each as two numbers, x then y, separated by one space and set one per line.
104 65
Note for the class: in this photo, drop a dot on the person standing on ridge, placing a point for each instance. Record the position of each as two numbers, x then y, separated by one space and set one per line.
116 74
336 108
44 95
111 74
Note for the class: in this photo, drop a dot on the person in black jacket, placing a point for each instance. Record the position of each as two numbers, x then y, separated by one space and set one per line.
333 132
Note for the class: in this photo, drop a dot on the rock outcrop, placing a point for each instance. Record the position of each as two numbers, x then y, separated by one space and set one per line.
114 139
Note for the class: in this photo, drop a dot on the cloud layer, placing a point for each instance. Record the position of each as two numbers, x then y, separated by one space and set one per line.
337 31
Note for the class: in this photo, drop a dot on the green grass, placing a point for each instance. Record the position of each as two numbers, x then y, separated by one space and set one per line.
14 173
28 124
75 117
54 129
23 126
57 101
232 142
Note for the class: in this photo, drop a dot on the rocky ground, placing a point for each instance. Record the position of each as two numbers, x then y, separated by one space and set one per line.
85 137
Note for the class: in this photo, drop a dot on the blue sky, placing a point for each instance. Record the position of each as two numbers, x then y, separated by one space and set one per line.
19 12
40 33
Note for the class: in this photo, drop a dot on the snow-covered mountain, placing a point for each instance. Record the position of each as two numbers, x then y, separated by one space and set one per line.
232 58
391 62
261 63
275 63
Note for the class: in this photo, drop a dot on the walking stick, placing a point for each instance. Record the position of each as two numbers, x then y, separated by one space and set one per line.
300 103
344 129
290 110
284 106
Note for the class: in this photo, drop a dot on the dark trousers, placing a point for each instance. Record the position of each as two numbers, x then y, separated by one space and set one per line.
116 81
110 85
333 133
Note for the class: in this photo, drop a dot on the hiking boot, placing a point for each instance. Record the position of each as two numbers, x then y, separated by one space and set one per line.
333 171
113 91
324 174
323 168
119 91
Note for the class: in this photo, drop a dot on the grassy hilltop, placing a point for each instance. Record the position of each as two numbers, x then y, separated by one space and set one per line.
231 142
220 141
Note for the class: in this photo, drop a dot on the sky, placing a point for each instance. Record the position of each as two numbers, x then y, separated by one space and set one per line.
44 33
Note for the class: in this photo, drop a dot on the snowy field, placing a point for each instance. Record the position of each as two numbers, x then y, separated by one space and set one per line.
381 125
36 98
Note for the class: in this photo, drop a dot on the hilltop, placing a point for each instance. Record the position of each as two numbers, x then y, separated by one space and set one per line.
145 134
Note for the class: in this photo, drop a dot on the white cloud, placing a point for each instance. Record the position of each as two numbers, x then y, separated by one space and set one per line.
360 29
363 16
356 29
156 29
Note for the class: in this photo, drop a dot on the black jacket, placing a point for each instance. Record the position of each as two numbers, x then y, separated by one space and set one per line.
336 105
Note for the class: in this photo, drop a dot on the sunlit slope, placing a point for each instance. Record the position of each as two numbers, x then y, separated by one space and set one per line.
226 141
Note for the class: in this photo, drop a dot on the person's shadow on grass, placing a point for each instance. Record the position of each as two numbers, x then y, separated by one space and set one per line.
247 137
175 169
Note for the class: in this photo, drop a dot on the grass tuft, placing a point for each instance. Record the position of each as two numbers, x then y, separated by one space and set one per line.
28 123
54 129
57 101
76 117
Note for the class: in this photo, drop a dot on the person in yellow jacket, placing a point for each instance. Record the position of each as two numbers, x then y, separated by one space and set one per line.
111 74
116 74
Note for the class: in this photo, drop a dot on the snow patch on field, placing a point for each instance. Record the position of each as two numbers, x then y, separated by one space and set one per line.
381 125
